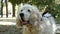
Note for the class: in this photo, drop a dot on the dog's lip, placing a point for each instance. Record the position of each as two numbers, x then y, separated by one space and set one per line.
24 22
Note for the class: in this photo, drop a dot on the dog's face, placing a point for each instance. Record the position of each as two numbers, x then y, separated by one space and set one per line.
28 14
25 13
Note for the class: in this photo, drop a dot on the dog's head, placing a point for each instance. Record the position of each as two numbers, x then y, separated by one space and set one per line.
28 14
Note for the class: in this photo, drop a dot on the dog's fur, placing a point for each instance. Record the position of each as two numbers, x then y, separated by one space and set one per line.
37 24
52 21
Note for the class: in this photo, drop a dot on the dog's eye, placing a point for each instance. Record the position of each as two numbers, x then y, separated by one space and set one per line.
28 10
21 10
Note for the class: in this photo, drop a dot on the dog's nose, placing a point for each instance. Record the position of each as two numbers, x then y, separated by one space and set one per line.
21 14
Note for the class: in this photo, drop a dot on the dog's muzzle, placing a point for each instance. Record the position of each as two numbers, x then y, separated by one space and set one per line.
22 16
23 22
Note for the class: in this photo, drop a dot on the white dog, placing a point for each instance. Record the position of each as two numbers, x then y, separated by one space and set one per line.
32 21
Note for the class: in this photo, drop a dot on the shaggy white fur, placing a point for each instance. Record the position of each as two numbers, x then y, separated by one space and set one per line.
52 21
31 20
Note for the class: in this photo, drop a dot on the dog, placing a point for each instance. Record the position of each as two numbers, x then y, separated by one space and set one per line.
30 19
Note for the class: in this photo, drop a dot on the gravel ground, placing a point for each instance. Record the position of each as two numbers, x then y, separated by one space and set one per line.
10 28
4 29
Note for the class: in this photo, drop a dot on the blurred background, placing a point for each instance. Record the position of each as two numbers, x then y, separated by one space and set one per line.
9 8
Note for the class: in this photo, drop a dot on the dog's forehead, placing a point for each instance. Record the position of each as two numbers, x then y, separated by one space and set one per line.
33 9
26 7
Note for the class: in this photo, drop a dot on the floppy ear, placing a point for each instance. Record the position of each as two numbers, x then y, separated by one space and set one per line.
38 12
18 23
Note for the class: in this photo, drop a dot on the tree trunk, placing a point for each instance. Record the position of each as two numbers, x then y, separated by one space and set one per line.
13 5
6 8
1 8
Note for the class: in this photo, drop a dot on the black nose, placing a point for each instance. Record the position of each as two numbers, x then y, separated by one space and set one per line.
21 14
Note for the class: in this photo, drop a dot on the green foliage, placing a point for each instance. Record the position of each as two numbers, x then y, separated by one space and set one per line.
18 1
57 10
36 2
54 9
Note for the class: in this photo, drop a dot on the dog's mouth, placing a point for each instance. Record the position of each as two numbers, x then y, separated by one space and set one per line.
24 22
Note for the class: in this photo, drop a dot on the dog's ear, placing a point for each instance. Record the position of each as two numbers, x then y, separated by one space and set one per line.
18 23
